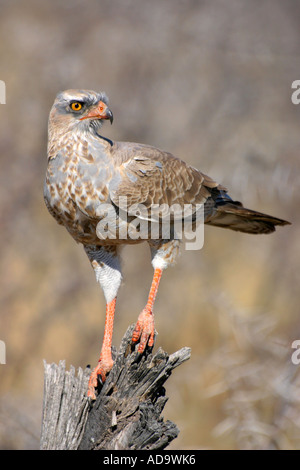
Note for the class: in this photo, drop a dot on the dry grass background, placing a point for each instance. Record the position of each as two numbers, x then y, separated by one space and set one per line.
209 81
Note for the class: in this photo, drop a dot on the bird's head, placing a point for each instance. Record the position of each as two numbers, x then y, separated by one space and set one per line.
81 110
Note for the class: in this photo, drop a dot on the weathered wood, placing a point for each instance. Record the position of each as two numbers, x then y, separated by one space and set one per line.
65 407
127 412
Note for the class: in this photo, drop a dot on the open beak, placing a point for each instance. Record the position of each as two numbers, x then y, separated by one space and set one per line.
100 111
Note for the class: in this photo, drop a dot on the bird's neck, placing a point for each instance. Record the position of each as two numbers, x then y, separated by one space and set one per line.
69 138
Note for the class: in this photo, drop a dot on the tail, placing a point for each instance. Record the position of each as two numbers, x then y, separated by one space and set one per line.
233 215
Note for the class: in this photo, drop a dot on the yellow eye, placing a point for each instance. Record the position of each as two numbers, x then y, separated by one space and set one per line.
76 106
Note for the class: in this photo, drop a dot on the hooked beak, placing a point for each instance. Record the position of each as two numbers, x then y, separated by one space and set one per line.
100 111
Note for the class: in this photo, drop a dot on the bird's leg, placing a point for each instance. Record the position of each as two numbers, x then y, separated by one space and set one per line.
105 362
144 328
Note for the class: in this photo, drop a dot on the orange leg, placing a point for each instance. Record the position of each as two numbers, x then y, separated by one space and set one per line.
105 362
144 328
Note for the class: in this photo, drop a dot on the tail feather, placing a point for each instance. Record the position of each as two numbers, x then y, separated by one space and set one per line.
234 216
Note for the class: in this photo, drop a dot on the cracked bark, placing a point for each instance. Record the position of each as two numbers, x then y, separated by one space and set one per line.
127 412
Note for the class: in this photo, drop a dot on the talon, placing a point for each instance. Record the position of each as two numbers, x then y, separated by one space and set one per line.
144 330
100 371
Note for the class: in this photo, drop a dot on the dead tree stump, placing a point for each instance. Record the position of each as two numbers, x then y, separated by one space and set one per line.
127 412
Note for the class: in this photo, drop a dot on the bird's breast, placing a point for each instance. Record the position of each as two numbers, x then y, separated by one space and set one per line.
76 185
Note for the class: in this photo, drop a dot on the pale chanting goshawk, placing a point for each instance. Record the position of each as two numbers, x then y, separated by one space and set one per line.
88 173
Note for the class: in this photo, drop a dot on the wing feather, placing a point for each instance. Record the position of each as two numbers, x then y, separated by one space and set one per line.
146 175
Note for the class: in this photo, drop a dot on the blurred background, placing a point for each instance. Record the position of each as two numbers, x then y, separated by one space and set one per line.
209 81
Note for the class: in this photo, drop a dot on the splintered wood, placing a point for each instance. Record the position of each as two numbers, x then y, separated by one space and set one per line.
127 412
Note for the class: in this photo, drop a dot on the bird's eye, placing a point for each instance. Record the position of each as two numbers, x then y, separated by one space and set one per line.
76 106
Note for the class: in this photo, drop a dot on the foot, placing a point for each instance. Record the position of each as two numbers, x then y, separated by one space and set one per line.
100 372
144 330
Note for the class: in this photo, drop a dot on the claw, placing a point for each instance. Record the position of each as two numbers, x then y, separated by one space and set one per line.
100 372
144 330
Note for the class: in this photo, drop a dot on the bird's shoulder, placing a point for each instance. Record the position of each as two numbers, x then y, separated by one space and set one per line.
153 175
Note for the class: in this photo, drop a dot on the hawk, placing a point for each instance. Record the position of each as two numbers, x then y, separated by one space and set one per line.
91 179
